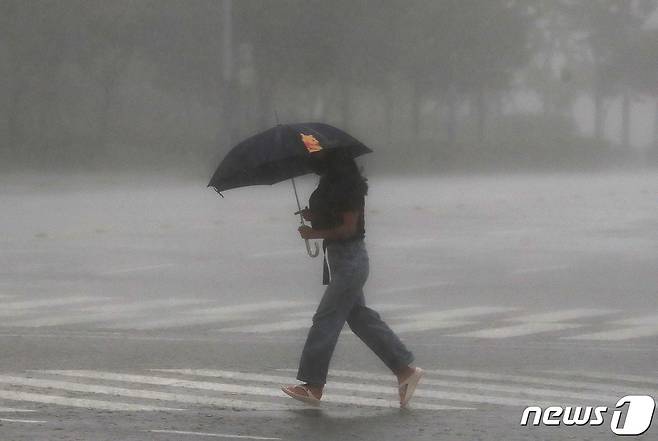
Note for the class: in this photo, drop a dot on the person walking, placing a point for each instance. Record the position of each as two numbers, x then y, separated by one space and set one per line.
336 214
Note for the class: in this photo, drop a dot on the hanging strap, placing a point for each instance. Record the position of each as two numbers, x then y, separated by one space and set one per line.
326 269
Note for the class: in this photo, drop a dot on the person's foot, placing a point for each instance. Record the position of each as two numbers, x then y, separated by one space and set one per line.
304 392
408 378
402 375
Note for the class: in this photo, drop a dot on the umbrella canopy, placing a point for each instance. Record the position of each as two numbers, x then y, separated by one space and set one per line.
279 153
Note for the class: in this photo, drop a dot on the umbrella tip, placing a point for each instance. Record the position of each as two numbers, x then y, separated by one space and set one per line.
215 188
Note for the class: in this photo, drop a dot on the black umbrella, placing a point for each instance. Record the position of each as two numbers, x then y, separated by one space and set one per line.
279 153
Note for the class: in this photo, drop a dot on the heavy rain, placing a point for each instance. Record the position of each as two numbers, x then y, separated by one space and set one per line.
511 218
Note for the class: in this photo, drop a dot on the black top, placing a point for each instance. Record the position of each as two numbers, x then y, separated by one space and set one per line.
334 195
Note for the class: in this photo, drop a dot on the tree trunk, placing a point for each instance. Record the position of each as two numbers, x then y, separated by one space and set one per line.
14 134
598 116
345 105
265 109
481 113
104 116
13 119
415 116
389 109
599 109
655 125
451 129
626 120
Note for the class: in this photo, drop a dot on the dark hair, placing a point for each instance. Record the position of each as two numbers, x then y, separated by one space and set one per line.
342 167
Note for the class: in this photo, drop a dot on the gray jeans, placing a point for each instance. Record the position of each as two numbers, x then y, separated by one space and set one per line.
343 301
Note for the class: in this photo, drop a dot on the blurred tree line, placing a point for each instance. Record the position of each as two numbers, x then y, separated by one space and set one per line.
433 84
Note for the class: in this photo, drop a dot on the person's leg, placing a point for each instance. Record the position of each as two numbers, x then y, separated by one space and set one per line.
367 324
349 271
328 321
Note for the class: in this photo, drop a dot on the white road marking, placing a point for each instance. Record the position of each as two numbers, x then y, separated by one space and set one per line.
266 328
255 390
77 402
11 309
629 328
610 387
414 287
137 269
11 409
207 315
216 435
563 315
102 313
647 320
522 392
538 269
379 307
274 253
619 334
443 319
607 377
408 243
517 330
12 420
416 322
137 393
421 393
567 386
537 323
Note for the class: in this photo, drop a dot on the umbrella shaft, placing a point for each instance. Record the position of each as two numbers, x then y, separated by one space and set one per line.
294 187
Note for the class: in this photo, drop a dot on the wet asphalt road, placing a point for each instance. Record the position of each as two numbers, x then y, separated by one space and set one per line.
140 310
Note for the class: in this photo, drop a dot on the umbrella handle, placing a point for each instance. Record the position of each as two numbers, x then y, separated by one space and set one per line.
308 249
301 220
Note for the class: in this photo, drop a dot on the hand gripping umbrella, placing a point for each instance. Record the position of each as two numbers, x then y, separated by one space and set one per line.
279 153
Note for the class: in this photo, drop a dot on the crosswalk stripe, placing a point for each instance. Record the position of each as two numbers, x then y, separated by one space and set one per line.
629 328
284 325
10 309
522 391
563 315
101 313
619 334
77 402
537 269
536 324
421 393
647 320
250 390
606 377
517 330
414 287
137 269
288 252
425 321
214 435
207 315
426 325
379 307
303 322
611 387
14 420
137 393
567 386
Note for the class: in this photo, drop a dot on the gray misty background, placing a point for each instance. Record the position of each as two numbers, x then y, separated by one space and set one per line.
430 85
511 217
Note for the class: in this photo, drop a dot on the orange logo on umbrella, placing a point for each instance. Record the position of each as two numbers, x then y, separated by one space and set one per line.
312 144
